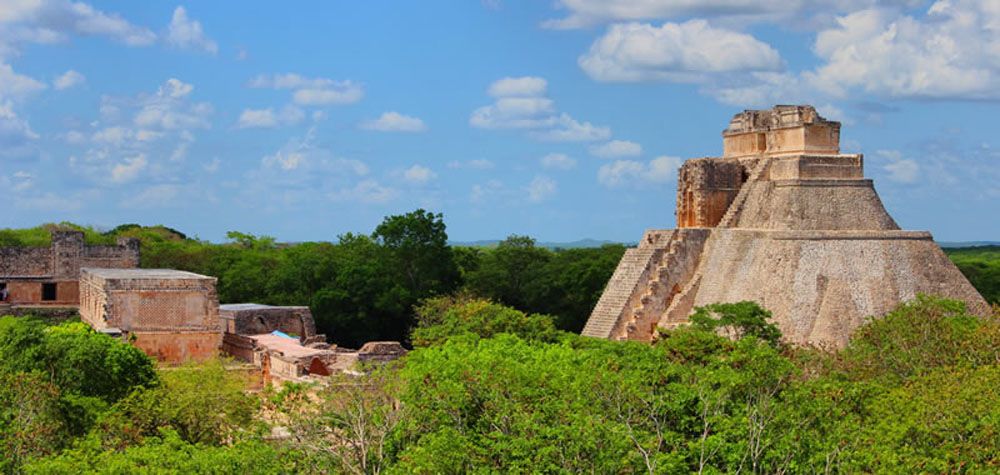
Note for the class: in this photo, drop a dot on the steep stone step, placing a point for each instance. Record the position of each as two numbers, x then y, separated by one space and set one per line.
732 214
615 299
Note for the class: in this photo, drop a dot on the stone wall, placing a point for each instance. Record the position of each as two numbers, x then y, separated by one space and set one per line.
705 189
27 270
173 315
255 319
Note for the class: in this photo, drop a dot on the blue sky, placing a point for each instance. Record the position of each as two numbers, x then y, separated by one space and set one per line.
557 119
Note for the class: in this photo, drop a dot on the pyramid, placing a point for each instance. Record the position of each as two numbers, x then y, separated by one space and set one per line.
785 220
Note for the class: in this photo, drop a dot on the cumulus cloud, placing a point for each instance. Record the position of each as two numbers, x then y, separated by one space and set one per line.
311 91
367 191
394 122
953 52
170 109
419 175
475 164
267 118
185 33
68 79
616 149
541 188
683 52
558 161
520 104
17 87
129 169
584 13
623 173
522 86
302 154
52 21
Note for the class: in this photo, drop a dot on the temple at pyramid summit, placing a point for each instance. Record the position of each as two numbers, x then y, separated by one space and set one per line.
785 220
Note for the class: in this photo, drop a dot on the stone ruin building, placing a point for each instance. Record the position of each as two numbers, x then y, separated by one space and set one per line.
48 276
283 343
171 315
783 219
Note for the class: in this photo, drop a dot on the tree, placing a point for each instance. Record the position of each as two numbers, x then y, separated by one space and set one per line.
418 247
506 272
441 318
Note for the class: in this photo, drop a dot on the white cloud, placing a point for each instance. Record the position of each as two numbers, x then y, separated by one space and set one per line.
623 173
903 171
367 191
683 52
475 164
16 86
114 136
263 118
419 175
522 86
558 161
129 170
68 79
394 122
567 129
584 13
169 109
51 21
616 149
267 118
311 91
951 53
514 113
541 189
185 33
520 105
16 137
346 94
310 160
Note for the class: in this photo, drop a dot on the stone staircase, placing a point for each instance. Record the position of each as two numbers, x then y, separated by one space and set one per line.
631 271
674 270
733 213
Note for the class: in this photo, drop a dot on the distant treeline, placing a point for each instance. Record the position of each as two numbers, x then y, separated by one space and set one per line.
981 265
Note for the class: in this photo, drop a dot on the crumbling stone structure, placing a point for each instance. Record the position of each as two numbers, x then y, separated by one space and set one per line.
48 275
257 319
171 315
283 343
783 219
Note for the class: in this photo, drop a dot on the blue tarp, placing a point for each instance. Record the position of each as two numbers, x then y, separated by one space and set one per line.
282 334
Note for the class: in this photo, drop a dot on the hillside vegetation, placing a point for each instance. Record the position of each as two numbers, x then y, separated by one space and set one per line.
492 389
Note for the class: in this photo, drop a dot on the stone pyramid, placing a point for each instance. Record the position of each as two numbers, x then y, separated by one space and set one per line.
783 219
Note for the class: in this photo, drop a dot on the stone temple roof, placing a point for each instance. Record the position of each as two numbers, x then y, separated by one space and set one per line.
781 116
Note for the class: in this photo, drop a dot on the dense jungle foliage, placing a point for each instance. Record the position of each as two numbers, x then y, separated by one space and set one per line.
981 265
489 388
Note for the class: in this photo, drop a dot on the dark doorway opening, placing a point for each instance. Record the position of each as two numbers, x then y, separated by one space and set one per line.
48 291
